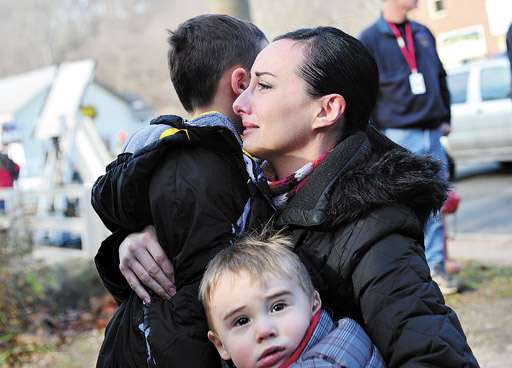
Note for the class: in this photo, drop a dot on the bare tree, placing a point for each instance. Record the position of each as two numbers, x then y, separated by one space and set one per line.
237 8
41 32
127 38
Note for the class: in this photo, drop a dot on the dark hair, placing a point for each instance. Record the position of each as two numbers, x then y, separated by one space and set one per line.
335 62
203 48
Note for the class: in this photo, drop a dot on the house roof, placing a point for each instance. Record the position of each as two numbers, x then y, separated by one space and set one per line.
17 90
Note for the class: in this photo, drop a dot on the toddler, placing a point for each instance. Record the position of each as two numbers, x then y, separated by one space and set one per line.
263 311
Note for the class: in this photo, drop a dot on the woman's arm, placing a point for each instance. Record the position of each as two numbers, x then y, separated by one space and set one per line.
403 309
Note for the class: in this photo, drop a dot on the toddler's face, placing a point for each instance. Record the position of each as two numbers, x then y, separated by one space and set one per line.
259 324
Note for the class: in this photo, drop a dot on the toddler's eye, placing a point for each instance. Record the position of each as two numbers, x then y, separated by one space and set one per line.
278 307
241 321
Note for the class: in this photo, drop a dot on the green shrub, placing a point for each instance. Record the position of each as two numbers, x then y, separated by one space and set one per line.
39 304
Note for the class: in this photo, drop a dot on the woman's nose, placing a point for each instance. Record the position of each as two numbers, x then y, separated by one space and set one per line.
240 106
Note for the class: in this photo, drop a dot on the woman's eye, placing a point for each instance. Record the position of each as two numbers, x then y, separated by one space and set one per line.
262 85
241 321
278 307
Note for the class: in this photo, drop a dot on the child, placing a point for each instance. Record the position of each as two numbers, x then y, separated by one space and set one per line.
263 311
190 180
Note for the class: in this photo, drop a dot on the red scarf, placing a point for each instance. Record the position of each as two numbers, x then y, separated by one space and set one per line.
284 189
296 354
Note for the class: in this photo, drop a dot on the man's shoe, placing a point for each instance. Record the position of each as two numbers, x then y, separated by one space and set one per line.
447 283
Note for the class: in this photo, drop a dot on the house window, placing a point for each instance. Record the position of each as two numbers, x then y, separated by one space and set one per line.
437 8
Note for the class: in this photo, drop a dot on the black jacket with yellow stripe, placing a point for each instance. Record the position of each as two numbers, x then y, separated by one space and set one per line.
199 190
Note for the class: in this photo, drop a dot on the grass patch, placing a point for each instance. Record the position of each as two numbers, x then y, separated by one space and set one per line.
44 307
493 281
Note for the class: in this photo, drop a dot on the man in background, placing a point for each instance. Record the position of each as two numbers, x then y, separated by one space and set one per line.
413 106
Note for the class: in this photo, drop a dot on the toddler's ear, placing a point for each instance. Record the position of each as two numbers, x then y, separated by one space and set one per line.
212 336
317 302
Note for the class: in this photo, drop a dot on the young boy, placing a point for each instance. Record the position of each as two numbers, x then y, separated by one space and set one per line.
191 181
263 311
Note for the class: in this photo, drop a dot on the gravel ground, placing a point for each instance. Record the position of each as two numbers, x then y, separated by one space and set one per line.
484 311
487 323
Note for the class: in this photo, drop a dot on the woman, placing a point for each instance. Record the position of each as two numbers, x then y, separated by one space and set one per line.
354 202
357 218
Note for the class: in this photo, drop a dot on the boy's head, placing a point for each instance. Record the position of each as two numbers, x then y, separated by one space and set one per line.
259 301
203 48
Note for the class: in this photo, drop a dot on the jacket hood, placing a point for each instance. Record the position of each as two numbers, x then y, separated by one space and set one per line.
366 172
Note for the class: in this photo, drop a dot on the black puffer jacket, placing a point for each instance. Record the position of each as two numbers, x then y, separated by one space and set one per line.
194 185
357 224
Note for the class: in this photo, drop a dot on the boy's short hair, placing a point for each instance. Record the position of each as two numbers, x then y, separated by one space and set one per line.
260 255
203 48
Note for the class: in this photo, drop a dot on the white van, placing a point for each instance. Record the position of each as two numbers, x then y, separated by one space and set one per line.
481 112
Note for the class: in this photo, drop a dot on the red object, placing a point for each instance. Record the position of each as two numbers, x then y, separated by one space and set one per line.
122 136
7 176
452 203
450 206
296 354
406 49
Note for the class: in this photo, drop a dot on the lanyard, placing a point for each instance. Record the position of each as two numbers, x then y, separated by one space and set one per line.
408 53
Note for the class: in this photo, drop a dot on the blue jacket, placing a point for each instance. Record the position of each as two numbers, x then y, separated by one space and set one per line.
396 106
344 344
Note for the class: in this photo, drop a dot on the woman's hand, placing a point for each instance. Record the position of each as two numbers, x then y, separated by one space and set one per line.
142 261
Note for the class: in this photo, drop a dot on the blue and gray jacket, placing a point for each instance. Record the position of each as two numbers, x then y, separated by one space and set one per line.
340 345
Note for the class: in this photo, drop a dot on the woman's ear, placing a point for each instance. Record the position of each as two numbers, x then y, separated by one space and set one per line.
317 302
239 80
212 336
332 108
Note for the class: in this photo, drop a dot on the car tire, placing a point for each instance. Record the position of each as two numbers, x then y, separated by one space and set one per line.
506 166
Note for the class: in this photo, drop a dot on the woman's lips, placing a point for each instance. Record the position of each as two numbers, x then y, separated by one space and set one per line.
249 127
270 357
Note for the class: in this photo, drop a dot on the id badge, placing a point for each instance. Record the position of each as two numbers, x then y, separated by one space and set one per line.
417 83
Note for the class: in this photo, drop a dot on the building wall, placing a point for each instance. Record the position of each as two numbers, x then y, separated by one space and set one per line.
466 29
113 115
26 119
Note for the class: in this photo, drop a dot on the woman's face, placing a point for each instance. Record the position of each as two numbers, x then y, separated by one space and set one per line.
277 113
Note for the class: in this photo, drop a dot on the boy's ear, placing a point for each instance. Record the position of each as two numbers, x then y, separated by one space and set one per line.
212 336
317 302
331 109
239 80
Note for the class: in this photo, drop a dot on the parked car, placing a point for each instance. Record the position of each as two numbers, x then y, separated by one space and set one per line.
481 112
